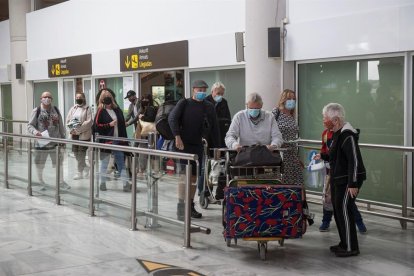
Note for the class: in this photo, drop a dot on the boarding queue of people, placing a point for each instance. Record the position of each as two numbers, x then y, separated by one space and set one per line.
208 117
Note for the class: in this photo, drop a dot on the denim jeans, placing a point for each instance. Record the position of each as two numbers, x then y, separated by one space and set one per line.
119 161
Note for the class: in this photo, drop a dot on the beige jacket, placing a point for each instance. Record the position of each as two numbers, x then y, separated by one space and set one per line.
85 130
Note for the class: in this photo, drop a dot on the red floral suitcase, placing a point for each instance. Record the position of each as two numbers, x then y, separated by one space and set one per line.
264 211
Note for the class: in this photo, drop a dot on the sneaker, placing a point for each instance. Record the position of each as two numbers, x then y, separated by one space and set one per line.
102 187
117 174
324 227
64 185
344 253
194 213
78 176
361 227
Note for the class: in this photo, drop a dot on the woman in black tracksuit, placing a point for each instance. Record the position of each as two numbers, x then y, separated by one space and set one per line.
347 172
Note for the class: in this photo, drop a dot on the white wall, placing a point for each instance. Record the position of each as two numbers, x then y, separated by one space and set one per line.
105 26
4 50
336 28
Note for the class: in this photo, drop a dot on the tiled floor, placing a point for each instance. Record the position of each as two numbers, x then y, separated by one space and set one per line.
37 237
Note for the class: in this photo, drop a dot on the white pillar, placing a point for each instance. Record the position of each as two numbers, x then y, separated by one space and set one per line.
18 55
263 74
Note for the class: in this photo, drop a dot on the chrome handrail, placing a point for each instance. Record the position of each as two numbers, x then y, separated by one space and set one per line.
188 227
404 218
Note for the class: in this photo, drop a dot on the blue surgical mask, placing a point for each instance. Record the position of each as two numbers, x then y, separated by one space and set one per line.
290 104
200 95
218 98
253 112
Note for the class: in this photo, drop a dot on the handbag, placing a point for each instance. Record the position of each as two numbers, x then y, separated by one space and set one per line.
147 127
257 155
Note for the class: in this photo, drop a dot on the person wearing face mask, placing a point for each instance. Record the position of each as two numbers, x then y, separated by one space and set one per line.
190 121
79 121
222 109
109 121
284 114
46 118
146 112
347 173
132 115
253 126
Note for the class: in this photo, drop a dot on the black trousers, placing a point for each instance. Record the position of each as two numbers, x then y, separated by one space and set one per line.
344 217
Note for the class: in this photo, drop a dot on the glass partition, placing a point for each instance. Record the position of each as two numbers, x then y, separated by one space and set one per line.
233 80
372 93
40 87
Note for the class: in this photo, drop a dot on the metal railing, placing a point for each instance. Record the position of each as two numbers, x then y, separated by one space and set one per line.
93 153
405 217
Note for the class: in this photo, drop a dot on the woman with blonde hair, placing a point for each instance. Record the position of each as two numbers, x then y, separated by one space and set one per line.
284 114
109 121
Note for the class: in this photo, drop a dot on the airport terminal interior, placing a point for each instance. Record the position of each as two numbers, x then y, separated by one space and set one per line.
68 222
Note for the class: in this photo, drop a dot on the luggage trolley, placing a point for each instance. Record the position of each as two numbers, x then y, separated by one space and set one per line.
258 207
214 176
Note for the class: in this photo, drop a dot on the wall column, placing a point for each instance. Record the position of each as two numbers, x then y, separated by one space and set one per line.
18 55
263 74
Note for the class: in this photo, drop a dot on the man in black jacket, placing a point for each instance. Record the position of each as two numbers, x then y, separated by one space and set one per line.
222 110
190 121
347 172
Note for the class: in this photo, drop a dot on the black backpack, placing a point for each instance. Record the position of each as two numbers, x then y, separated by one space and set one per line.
161 120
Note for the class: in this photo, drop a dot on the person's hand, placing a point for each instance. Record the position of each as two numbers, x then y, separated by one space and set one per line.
353 192
113 123
179 143
127 124
73 131
140 116
238 148
271 147
39 134
317 156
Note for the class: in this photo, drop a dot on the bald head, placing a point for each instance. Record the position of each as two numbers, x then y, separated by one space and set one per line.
46 99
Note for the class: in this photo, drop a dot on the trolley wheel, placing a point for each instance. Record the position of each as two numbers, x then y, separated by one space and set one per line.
228 242
203 201
282 242
262 246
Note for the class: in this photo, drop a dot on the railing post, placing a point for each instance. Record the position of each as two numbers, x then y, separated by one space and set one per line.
404 212
6 163
29 169
57 194
21 140
134 194
187 213
91 181
152 184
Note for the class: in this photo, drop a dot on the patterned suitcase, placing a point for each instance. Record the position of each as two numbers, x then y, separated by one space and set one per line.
264 211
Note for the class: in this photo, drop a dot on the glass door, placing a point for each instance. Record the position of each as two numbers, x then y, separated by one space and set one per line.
68 95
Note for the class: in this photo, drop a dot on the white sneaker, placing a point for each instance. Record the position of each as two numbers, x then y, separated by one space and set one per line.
78 176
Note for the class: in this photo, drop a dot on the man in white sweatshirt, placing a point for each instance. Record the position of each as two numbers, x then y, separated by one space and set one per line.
253 126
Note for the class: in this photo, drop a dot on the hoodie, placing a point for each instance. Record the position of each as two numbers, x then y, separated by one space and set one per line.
345 160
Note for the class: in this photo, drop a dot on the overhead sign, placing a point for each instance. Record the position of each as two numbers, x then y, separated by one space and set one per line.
166 55
70 66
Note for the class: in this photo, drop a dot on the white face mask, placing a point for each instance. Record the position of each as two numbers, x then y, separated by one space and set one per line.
46 101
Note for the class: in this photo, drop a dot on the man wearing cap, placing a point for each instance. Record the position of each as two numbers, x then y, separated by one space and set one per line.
190 121
132 116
